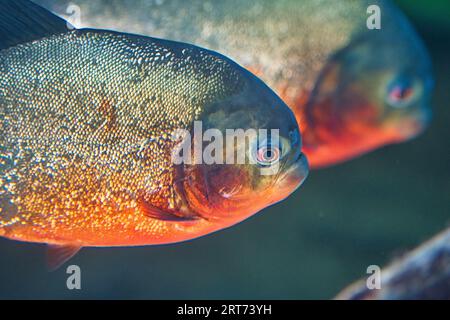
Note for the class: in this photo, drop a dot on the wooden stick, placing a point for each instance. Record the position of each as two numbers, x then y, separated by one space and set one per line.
424 273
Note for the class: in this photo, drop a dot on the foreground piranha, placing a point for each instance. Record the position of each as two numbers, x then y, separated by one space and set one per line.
352 89
86 136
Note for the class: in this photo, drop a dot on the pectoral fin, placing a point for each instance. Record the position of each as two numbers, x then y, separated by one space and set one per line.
161 214
57 255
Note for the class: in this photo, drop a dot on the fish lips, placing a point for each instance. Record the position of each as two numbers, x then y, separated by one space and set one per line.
298 171
292 178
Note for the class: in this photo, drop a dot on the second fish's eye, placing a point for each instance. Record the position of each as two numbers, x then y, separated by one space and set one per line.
267 155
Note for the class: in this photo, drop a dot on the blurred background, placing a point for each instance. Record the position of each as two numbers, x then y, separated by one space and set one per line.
367 211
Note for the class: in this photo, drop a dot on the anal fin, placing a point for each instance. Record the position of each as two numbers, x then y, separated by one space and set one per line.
57 255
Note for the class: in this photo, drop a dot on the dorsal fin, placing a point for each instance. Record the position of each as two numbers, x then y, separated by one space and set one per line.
23 21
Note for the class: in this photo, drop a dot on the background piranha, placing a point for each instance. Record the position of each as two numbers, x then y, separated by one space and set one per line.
353 89
86 118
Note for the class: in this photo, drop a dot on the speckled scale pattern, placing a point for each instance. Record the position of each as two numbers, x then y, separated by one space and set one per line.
85 127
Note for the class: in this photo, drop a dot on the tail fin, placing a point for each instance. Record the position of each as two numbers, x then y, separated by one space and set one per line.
23 21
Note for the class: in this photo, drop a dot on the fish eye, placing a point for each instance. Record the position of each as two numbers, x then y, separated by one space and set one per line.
267 155
402 92
270 151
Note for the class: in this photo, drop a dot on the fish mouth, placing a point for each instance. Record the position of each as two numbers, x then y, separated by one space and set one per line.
414 125
408 126
292 178
202 201
298 171
410 129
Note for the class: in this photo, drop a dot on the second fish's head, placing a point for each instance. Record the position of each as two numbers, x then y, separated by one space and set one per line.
375 91
246 154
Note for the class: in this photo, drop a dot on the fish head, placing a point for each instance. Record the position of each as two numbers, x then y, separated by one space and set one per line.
257 155
374 92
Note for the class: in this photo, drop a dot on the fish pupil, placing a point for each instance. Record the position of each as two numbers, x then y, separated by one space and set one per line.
268 154
401 93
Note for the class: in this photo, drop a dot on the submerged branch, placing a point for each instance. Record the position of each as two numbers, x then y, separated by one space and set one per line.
424 273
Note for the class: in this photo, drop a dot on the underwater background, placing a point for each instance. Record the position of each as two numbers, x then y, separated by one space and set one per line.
366 211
